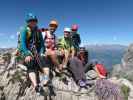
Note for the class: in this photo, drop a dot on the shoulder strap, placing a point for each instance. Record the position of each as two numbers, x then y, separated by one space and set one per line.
46 35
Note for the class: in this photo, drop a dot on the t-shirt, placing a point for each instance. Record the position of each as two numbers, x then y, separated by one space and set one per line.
65 43
76 40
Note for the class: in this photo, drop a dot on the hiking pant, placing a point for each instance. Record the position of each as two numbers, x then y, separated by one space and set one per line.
77 69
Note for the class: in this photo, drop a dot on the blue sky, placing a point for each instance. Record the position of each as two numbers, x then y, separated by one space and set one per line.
100 21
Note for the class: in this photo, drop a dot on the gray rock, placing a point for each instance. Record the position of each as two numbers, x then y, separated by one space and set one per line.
91 75
125 69
14 85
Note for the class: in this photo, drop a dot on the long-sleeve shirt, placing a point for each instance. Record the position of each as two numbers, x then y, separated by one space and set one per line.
26 41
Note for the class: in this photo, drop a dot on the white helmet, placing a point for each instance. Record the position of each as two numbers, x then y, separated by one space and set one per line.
67 29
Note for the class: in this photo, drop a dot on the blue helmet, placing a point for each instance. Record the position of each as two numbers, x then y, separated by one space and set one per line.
31 17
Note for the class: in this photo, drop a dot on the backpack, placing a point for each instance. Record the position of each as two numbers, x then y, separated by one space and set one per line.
76 38
101 69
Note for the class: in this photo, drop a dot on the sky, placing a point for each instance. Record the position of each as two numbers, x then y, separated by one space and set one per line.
100 21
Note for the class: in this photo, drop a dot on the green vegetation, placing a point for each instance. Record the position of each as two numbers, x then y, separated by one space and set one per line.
125 89
16 77
129 77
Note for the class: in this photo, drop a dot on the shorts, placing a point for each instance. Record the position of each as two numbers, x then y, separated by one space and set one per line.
34 65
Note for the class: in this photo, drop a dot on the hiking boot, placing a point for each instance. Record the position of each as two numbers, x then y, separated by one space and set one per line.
82 83
39 90
52 92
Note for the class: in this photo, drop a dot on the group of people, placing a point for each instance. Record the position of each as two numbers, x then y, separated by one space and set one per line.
41 51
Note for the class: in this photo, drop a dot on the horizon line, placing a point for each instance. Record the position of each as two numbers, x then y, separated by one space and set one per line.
96 44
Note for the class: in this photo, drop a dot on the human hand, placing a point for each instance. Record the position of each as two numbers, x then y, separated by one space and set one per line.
28 59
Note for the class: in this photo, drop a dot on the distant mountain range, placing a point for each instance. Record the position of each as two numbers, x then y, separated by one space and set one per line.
5 50
107 54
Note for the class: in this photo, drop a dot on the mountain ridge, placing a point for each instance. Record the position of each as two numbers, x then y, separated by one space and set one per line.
109 55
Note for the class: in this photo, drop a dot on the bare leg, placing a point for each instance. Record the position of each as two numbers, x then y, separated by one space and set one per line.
32 77
46 75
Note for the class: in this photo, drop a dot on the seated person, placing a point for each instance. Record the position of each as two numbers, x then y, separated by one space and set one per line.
83 55
99 68
50 54
50 41
74 64
30 48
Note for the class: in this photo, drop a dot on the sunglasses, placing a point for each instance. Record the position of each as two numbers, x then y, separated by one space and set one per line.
33 20
53 25
67 32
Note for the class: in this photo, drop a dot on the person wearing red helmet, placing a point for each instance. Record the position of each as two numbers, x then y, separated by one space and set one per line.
75 37
71 62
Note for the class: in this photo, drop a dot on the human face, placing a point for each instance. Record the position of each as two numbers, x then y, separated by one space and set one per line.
66 34
32 23
49 41
52 28
73 31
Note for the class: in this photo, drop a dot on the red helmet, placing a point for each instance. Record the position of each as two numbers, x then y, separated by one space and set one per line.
101 70
75 27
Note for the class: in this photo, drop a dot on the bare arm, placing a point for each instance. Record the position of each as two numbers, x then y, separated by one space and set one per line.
67 56
73 52
54 58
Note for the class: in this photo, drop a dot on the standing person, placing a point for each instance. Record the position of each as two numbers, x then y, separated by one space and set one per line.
65 45
31 47
75 37
53 25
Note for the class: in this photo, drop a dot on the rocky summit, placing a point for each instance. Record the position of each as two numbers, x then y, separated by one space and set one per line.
125 70
14 84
